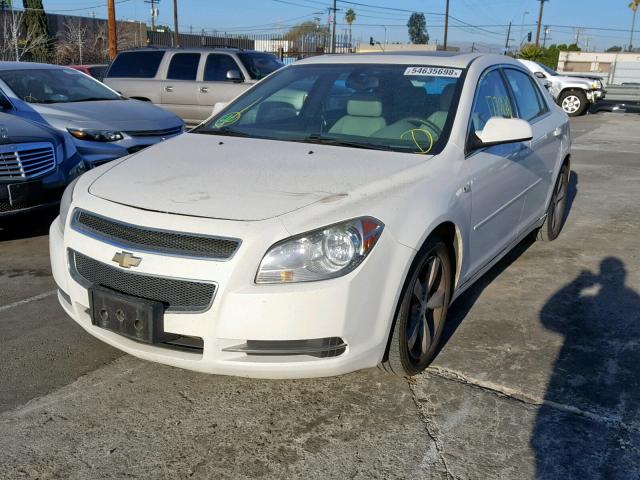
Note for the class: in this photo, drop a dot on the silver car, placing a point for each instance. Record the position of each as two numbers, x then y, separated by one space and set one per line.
103 124
188 81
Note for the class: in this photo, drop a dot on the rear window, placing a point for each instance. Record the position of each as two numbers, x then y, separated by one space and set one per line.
136 64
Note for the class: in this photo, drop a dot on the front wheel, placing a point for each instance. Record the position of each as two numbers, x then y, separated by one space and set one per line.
557 206
573 102
419 323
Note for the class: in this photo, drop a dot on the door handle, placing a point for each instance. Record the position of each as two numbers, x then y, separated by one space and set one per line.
466 188
557 132
204 90
168 89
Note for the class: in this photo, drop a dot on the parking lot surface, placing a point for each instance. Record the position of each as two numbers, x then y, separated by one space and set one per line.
538 377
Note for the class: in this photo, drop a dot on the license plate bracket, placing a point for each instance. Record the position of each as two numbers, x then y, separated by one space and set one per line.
30 193
132 317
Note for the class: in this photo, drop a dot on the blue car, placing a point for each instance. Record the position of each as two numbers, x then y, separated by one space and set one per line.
103 124
36 164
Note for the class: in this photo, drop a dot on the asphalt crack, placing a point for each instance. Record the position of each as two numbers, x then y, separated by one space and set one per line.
525 398
431 429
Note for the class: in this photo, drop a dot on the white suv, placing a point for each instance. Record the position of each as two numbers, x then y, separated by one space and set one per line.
188 81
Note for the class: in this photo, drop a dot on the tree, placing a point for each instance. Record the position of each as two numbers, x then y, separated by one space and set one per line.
307 35
615 48
73 40
35 22
417 25
15 41
531 52
350 17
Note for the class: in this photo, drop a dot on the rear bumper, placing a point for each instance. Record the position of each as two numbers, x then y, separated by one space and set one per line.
347 319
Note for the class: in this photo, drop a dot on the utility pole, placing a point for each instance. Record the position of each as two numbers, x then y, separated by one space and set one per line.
633 6
544 39
446 26
473 47
540 22
334 12
113 32
506 45
154 13
176 42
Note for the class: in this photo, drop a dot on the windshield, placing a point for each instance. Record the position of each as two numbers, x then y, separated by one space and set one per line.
55 85
401 108
548 70
259 65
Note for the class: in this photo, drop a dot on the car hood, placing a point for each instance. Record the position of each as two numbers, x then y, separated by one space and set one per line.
573 80
119 115
242 178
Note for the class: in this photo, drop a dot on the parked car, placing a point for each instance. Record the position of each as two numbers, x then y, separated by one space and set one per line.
95 71
188 81
104 125
322 223
36 164
574 94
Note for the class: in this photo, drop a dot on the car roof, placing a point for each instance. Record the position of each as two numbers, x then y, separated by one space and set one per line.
190 49
27 66
438 59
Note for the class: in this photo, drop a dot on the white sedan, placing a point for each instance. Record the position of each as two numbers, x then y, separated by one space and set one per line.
322 222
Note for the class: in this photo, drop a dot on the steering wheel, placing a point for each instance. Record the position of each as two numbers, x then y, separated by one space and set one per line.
418 122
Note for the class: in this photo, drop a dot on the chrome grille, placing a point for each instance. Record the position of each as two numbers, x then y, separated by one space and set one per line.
155 133
26 160
175 294
160 241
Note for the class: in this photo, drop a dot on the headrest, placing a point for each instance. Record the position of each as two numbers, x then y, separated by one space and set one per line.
364 107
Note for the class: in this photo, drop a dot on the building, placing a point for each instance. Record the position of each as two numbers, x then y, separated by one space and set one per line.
614 67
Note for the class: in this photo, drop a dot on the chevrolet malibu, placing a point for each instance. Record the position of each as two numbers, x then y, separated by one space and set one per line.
322 222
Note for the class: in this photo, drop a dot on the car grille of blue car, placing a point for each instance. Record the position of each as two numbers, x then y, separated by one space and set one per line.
26 160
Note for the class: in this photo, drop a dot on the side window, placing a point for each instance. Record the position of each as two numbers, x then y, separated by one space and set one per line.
136 64
183 66
217 66
525 95
492 100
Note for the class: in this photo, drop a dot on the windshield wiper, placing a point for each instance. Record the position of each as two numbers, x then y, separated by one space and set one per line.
90 99
343 143
222 131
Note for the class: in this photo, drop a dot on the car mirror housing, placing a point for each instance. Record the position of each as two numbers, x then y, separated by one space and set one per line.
234 75
499 130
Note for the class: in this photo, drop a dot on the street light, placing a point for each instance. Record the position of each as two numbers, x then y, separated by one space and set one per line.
522 27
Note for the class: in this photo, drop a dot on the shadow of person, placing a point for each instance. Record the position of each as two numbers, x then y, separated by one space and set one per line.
589 425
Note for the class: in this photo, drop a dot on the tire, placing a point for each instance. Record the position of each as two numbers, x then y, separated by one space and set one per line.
421 316
573 102
556 209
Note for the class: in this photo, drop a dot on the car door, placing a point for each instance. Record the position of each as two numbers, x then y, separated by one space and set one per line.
540 156
179 89
494 177
215 86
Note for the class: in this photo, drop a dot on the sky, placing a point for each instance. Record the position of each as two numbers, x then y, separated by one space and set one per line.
598 24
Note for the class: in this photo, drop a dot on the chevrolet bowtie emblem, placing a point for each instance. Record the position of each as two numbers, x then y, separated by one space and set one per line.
126 259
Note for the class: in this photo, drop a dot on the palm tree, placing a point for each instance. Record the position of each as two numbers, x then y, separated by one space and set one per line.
634 8
350 17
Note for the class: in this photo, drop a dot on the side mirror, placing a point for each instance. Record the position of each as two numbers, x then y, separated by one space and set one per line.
218 107
234 75
546 84
502 130
540 75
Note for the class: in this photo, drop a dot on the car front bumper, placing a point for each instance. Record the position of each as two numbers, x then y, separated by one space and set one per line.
97 153
50 188
357 308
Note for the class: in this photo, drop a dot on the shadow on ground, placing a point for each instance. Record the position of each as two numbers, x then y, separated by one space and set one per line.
597 372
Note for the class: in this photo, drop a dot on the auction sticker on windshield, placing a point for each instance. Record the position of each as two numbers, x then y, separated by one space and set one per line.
434 71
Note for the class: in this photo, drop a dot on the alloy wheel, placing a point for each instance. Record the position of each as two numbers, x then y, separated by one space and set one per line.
571 104
425 311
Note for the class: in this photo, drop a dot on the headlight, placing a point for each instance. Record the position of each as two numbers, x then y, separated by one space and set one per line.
594 85
325 253
96 135
65 202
